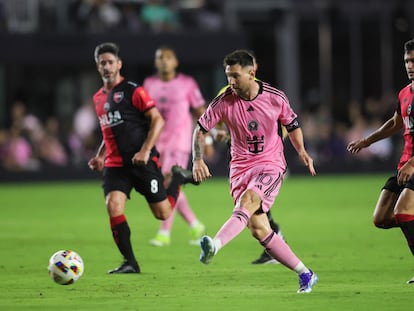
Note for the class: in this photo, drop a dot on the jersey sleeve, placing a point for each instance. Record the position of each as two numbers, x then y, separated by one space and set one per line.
141 99
287 115
211 116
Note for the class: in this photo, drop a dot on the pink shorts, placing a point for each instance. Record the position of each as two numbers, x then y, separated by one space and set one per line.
170 158
265 180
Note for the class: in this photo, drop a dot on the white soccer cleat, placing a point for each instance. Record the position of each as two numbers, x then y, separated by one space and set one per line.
411 281
208 249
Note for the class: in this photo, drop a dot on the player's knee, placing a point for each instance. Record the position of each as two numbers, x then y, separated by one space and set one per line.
161 212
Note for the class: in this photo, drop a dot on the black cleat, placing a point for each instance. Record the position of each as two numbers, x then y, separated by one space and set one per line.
126 267
186 176
264 259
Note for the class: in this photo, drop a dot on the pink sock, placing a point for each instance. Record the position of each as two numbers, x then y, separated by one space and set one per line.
233 226
167 224
279 250
184 208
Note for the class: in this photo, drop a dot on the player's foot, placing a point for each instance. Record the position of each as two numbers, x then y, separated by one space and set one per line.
161 240
306 281
411 281
264 259
186 176
207 249
126 267
196 233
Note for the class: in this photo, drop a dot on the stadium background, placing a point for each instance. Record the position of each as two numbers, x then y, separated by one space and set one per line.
339 62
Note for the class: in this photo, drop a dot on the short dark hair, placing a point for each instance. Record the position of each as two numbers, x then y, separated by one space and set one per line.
409 46
107 47
241 57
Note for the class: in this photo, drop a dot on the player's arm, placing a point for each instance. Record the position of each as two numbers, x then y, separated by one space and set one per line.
389 128
296 138
156 125
200 169
97 162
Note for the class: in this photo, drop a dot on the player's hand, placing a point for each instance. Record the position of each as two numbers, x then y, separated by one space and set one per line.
200 171
356 145
96 164
141 157
405 173
308 161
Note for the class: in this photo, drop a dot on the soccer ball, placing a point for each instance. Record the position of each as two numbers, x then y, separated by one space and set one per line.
65 267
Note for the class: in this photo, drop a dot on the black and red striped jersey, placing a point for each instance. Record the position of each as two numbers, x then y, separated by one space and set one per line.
123 124
405 108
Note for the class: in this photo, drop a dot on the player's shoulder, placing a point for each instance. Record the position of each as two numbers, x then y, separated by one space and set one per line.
271 90
405 90
183 77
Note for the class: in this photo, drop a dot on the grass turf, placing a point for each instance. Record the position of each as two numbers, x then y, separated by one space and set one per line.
326 220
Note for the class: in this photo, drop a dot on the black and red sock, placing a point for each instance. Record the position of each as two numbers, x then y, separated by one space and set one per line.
406 223
122 237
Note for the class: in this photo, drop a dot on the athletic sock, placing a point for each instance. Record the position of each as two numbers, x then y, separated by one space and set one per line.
122 237
184 209
167 224
232 227
173 189
406 223
279 250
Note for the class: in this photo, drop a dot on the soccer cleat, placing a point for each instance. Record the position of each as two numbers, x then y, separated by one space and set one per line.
264 259
126 267
411 281
160 240
306 281
196 233
186 176
207 249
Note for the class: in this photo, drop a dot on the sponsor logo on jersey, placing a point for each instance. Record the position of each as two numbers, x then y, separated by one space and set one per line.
118 96
110 119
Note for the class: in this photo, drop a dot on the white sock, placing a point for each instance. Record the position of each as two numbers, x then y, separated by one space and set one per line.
301 268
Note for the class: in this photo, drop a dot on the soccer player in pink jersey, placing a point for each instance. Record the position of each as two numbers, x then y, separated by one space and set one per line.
253 112
395 206
179 99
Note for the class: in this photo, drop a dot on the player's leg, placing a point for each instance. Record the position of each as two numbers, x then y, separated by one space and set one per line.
260 229
115 203
117 187
248 203
264 257
384 217
404 213
197 229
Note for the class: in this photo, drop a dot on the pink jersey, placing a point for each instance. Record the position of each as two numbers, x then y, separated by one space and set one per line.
253 126
175 99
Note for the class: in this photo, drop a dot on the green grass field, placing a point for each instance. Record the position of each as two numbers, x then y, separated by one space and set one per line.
326 220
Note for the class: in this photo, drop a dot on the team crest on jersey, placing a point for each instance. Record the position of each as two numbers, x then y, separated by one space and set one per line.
409 108
107 106
118 96
253 125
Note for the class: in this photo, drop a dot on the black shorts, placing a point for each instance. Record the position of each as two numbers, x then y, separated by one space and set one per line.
147 180
393 186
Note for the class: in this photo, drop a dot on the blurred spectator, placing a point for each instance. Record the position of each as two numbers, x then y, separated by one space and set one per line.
159 16
82 140
97 15
50 147
131 19
16 151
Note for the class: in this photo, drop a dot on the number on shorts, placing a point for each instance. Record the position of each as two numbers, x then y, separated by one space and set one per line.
154 186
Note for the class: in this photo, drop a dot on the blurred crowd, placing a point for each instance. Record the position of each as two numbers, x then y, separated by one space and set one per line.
29 143
97 16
